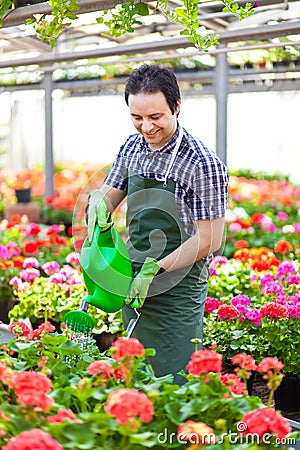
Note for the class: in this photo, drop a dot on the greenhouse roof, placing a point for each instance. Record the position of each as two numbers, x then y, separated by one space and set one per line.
271 24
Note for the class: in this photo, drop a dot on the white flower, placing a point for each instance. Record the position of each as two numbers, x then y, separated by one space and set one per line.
288 229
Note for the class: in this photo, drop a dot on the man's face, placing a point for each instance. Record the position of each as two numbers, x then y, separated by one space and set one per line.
152 117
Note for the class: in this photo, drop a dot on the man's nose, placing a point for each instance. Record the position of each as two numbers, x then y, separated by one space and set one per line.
147 125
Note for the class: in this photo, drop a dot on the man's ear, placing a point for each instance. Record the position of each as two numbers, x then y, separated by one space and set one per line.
177 110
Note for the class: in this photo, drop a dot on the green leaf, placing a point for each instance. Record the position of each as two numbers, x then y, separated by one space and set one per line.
142 9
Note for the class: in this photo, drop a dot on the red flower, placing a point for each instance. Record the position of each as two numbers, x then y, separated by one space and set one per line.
33 229
274 309
18 261
261 421
15 219
212 303
234 383
19 329
53 230
30 248
32 389
197 433
257 217
244 361
269 363
60 240
283 247
242 222
228 312
123 347
34 439
204 361
241 244
102 368
64 414
122 372
125 404
261 258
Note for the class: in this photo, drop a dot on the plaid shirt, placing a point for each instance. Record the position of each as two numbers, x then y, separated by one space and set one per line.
201 178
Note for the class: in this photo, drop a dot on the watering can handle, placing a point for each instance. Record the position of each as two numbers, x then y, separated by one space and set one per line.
132 324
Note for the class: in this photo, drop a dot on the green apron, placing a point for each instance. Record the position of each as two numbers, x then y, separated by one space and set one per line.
172 314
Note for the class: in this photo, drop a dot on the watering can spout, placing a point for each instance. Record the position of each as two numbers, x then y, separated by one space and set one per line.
107 273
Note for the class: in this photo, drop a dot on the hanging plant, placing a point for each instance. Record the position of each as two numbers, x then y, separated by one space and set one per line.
49 27
5 6
125 16
122 19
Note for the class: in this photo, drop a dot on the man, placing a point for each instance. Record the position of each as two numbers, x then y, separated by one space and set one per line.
177 198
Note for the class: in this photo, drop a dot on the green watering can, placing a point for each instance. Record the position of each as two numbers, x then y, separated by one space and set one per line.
107 274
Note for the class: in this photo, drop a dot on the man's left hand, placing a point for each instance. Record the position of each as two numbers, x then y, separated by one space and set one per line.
139 287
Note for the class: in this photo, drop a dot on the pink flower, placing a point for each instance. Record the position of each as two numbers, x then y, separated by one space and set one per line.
241 299
293 279
244 361
57 278
4 252
125 404
63 415
296 226
261 421
53 230
234 227
45 327
51 267
254 316
34 439
204 361
123 348
5 373
32 229
196 431
13 249
282 216
102 368
294 310
19 329
273 288
29 274
32 388
31 262
234 384
73 258
269 363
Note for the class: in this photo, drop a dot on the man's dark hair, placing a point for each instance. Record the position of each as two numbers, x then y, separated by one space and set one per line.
150 79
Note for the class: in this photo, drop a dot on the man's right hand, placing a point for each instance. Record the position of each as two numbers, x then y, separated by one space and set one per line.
96 213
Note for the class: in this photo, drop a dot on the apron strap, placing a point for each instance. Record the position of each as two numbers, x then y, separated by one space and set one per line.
173 157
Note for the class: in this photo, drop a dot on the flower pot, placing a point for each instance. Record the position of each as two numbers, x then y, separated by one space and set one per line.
105 340
5 307
5 335
287 396
23 195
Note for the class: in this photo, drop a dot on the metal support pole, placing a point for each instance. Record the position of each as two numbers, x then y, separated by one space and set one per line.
221 105
49 162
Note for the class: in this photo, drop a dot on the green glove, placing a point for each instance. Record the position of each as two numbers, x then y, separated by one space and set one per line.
138 289
96 212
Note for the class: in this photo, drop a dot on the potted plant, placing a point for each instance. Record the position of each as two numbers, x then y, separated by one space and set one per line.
88 400
263 323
